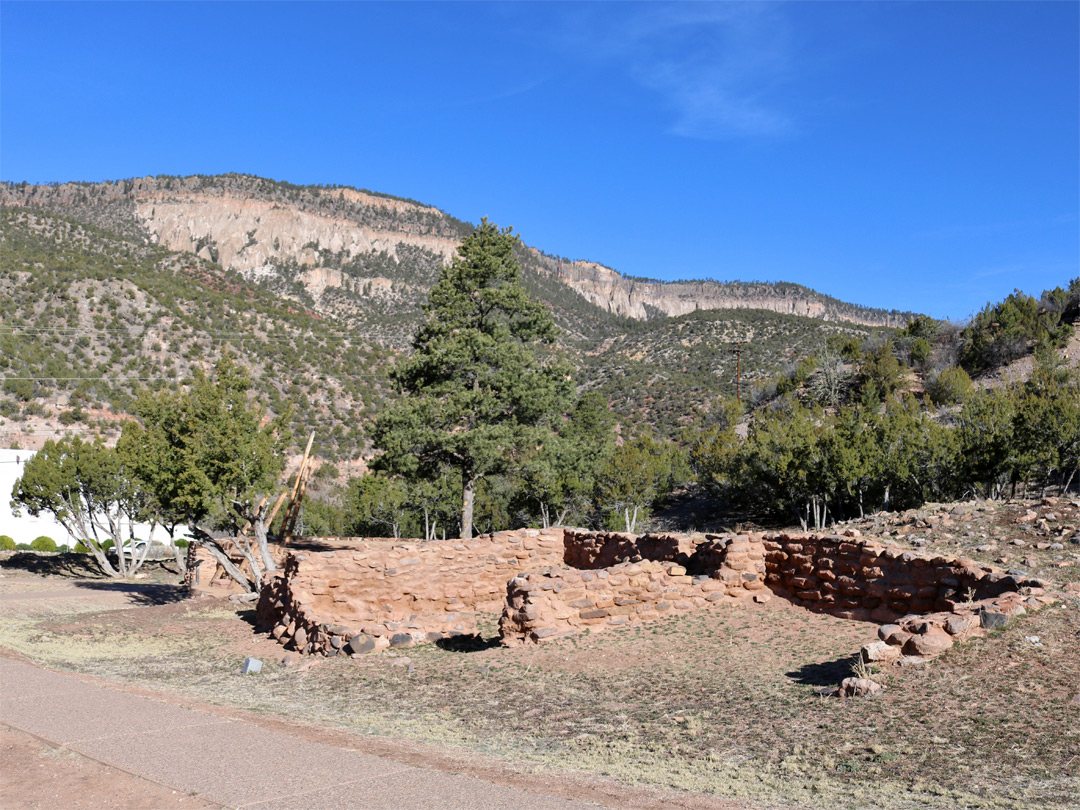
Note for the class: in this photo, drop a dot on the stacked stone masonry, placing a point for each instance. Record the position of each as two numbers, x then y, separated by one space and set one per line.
353 596
370 594
924 604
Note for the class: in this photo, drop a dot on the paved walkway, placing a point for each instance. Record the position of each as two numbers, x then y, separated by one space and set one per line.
231 762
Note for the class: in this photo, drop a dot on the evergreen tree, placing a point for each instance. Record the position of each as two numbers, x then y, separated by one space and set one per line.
210 459
476 396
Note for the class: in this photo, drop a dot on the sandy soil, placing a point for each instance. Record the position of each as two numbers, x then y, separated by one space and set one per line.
37 775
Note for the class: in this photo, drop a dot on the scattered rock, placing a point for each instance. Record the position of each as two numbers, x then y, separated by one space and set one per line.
879 651
401 640
959 623
992 621
858 687
252 666
933 642
360 644
401 662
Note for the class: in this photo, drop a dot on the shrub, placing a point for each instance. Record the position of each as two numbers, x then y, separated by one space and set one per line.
181 543
63 548
23 547
43 543
6 543
920 350
950 386
80 548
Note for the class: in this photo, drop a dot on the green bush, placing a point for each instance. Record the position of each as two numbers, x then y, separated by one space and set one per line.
181 543
920 350
23 547
6 543
43 543
63 548
951 386
81 549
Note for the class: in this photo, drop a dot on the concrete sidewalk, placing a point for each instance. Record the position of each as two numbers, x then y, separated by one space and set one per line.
232 762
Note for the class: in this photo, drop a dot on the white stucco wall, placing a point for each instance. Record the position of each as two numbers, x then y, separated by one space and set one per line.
24 529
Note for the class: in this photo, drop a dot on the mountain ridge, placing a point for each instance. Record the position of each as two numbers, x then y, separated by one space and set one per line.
265 229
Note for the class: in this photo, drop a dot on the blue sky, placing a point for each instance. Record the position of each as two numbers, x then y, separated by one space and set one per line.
921 156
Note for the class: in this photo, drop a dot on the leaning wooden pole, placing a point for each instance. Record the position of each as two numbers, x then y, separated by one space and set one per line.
293 510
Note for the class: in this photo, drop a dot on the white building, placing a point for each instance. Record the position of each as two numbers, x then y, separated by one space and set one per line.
24 529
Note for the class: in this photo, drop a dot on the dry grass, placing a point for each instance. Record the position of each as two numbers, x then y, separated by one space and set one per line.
723 703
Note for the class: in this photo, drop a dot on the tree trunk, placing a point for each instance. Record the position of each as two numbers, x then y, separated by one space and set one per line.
258 524
468 498
218 553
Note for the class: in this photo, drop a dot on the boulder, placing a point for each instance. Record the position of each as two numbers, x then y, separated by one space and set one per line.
959 623
933 642
360 643
858 687
879 651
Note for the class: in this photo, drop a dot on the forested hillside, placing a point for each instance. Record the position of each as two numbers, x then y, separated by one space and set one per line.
92 314
87 318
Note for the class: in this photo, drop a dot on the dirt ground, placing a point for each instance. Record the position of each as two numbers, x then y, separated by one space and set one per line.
39 776
717 709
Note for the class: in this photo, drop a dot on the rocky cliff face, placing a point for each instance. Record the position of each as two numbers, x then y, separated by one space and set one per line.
258 227
254 236
633 298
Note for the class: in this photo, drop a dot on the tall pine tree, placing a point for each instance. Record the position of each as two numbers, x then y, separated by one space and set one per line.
476 396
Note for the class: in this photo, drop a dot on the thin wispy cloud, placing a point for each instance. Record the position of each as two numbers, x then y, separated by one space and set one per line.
717 67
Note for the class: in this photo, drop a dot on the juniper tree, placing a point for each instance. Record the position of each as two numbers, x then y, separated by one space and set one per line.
475 395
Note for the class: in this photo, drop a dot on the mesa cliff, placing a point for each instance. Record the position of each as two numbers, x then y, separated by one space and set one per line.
267 230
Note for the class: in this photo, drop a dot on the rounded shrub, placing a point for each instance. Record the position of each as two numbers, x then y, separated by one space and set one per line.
6 543
181 543
63 548
81 549
23 547
43 543
950 387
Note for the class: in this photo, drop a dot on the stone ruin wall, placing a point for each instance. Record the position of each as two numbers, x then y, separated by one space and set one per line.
354 596
629 579
924 604
338 592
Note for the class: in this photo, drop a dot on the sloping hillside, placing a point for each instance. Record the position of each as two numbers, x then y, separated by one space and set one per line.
350 251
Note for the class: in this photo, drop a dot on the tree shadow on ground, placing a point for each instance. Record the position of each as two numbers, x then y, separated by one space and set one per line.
141 593
83 566
827 673
472 643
